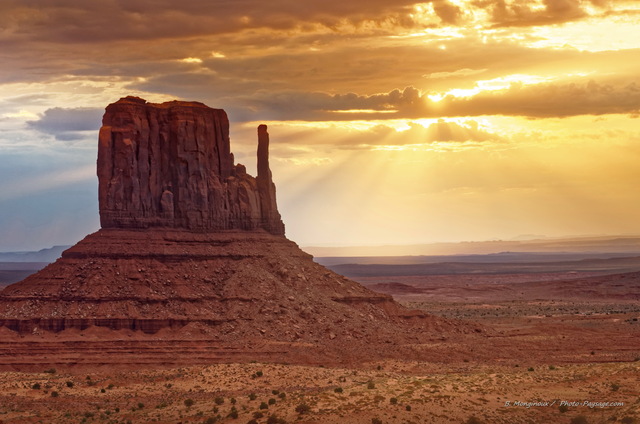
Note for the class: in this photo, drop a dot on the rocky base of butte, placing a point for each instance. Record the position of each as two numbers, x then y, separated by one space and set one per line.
192 265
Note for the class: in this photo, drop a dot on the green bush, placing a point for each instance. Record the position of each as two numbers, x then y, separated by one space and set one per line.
272 401
36 386
263 405
338 390
393 401
408 408
252 396
258 415
54 394
69 384
188 402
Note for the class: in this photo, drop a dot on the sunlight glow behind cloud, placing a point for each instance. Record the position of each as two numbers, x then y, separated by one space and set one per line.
391 121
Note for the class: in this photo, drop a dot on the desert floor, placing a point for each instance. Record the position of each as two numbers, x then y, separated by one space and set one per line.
559 353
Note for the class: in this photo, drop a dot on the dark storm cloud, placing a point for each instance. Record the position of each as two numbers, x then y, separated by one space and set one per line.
66 124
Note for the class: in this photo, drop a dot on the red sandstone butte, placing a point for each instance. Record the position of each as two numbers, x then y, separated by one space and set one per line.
192 253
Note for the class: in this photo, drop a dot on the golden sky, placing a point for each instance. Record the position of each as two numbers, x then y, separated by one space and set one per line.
391 121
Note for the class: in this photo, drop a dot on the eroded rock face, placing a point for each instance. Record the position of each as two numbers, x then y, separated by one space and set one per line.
163 276
170 165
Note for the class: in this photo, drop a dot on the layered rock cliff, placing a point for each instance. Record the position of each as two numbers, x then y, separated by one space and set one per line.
192 248
170 165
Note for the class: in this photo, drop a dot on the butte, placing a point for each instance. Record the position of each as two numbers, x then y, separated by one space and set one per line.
191 265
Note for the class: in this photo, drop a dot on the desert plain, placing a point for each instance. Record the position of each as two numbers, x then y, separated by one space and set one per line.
545 347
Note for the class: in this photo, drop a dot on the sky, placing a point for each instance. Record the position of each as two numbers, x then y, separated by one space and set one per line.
391 121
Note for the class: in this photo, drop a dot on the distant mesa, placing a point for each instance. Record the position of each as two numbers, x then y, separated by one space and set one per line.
192 253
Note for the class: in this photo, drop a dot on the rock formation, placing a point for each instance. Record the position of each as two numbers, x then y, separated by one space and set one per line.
170 165
192 247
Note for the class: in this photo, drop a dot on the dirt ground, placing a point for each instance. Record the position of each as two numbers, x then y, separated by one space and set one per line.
540 356
394 393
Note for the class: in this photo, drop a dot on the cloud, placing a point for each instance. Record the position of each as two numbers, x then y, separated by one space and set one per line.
457 73
526 13
67 124
79 22
293 141
533 101
447 12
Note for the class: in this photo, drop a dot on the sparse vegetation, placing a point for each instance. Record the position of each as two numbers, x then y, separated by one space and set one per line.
274 419
371 385
36 386
303 408
263 405
563 408
188 402
233 414
219 400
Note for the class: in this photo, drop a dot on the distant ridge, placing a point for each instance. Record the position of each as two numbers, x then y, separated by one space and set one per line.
603 244
43 255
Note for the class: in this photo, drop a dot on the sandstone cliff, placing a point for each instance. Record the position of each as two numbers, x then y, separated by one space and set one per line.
192 253
170 165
